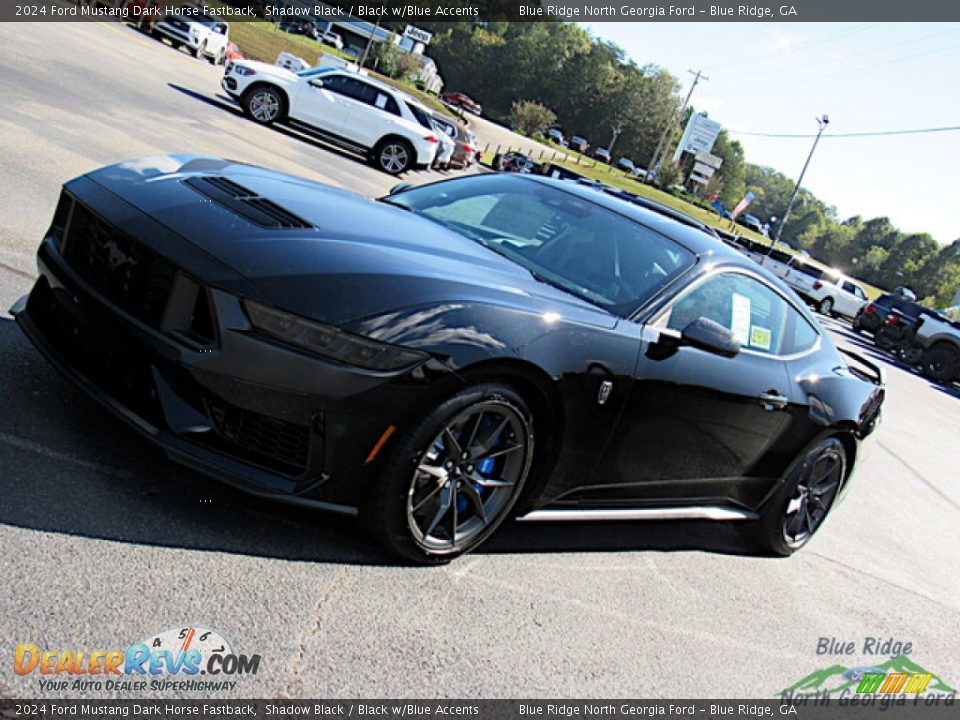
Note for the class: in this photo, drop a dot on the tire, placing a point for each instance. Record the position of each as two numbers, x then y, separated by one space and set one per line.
825 306
452 479
144 26
811 487
911 356
941 363
221 58
394 156
263 105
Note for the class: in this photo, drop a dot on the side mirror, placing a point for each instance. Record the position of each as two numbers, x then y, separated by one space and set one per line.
316 83
711 337
400 187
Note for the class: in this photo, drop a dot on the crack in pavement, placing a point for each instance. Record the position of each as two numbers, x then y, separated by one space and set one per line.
287 690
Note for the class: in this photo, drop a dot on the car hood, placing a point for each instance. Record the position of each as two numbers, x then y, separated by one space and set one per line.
263 68
356 258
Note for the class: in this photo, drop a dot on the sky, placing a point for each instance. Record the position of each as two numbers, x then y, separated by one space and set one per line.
779 77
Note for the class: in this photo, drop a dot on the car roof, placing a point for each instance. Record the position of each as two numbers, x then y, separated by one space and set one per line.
694 239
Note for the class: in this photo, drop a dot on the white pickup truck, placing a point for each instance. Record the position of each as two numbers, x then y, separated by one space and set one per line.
203 35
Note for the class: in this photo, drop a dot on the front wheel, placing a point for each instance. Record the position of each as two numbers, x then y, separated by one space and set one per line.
263 105
394 156
825 306
455 477
799 507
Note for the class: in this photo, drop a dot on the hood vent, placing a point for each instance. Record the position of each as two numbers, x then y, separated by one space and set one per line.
246 203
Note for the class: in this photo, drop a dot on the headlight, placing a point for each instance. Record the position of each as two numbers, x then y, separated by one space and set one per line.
330 342
243 71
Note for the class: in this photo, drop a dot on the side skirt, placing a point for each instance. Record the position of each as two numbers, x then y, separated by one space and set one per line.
702 512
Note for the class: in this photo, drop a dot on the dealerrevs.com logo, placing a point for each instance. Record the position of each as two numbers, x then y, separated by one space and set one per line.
168 661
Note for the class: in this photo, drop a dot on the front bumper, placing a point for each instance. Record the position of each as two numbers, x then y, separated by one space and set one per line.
261 416
180 36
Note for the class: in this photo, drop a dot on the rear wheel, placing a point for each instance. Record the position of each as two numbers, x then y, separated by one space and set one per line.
941 363
825 306
263 105
800 506
394 156
455 477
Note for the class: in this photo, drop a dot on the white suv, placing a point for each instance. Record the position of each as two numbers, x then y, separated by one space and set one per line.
202 34
339 106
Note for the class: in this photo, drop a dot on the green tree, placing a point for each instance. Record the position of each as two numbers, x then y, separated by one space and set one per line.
531 118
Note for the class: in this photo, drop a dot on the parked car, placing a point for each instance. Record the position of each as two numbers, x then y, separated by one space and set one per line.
872 316
750 221
143 13
465 143
301 27
461 100
515 162
189 26
332 39
446 144
626 164
837 296
344 108
602 154
449 357
233 53
557 136
579 144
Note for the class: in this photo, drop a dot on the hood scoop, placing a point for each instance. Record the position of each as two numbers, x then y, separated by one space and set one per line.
246 203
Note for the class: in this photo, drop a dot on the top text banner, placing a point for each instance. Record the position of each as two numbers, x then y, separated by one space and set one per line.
399 11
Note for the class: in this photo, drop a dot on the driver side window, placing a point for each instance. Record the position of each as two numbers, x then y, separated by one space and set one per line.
759 317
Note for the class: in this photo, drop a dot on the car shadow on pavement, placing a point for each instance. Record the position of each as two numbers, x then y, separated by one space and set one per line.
223 102
68 466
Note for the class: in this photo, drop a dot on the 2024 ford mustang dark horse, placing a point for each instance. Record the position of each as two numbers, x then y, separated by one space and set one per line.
450 355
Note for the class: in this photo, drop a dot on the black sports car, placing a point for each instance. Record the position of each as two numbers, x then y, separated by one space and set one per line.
449 355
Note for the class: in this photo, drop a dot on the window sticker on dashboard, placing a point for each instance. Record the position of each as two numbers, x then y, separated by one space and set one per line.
740 317
760 337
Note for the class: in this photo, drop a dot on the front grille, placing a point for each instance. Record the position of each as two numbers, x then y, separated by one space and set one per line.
178 24
117 267
277 443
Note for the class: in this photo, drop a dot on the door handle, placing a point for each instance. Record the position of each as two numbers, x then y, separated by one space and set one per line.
772 400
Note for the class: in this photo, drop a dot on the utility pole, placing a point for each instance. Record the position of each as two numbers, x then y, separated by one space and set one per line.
697 77
616 133
822 122
370 41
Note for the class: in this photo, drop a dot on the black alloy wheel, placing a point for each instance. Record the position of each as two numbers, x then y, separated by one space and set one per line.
800 506
455 477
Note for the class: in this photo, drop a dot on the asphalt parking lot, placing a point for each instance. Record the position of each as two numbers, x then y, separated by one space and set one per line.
105 541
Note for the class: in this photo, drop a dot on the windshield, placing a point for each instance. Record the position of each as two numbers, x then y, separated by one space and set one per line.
562 239
310 72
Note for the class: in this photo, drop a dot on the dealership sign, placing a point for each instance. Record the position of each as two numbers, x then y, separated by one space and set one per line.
417 35
700 135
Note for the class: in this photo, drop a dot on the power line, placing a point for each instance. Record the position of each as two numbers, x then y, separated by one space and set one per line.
878 133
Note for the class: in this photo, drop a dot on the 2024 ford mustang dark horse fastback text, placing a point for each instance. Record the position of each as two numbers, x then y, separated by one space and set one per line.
450 355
